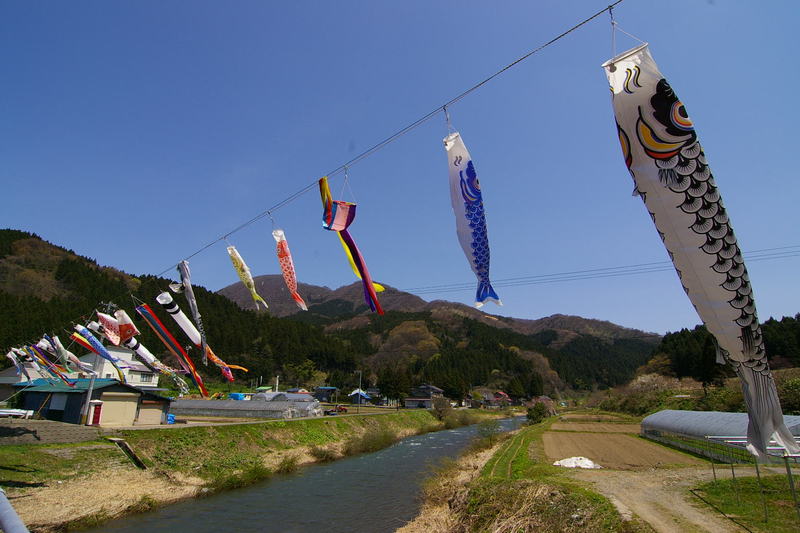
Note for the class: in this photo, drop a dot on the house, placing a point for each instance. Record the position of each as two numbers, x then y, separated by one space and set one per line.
138 375
325 394
112 403
376 397
422 396
502 399
358 396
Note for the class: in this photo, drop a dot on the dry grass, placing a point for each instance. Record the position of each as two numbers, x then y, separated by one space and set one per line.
448 490
46 508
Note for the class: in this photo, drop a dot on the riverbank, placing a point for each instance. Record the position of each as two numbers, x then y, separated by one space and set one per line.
69 487
641 487
510 487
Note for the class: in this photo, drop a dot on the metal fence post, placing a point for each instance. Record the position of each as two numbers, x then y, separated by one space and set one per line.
763 497
791 484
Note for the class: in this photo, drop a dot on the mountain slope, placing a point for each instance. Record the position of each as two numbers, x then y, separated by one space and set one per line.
330 306
44 287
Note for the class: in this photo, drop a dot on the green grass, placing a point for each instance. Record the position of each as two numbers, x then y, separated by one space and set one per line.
522 457
222 456
743 502
518 490
213 452
531 505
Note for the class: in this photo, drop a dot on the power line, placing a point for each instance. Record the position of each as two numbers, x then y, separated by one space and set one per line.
393 137
388 140
766 254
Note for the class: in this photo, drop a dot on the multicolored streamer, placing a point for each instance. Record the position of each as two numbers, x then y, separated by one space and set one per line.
337 216
172 345
85 338
68 359
172 308
185 286
37 354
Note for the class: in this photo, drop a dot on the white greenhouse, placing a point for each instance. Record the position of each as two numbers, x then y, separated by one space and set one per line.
714 434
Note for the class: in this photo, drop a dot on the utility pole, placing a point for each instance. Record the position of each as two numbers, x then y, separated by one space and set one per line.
358 405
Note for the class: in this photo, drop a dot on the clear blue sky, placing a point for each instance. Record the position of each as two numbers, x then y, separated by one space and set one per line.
135 132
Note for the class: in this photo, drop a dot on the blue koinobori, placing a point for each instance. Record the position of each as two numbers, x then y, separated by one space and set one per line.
465 194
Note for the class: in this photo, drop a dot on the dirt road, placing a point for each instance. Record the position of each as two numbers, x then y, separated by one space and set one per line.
640 477
660 497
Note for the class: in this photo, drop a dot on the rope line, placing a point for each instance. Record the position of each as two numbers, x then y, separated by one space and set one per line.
393 137
783 252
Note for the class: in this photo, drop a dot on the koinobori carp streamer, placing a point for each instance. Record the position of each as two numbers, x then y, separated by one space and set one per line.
671 175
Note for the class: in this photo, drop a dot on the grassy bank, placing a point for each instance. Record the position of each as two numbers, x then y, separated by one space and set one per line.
225 456
513 489
67 487
743 502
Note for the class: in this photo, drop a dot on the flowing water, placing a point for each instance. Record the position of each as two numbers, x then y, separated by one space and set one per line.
375 492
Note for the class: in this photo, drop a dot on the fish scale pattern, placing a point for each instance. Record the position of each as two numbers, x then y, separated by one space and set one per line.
473 202
686 172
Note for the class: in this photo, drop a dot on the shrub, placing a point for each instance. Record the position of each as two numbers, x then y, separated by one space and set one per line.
722 399
537 413
441 407
288 464
242 479
370 442
321 454
489 430
790 396
459 418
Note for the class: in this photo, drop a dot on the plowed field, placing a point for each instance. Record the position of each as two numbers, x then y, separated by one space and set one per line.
596 427
612 450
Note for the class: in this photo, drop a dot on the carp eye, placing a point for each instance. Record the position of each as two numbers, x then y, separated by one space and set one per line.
680 117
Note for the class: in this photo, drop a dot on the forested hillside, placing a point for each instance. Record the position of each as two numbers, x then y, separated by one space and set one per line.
44 288
692 353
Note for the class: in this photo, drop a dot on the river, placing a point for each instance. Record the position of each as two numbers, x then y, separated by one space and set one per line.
370 493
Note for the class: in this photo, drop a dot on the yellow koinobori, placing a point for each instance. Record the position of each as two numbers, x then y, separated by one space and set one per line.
244 274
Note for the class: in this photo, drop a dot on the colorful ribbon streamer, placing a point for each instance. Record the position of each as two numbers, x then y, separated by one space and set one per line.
172 345
337 216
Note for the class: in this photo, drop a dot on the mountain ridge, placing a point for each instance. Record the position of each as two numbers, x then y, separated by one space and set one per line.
44 287
349 300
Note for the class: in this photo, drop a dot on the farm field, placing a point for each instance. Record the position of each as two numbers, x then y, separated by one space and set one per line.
639 477
612 450
596 427
591 417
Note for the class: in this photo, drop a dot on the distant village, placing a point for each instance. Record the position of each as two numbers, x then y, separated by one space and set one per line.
105 401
